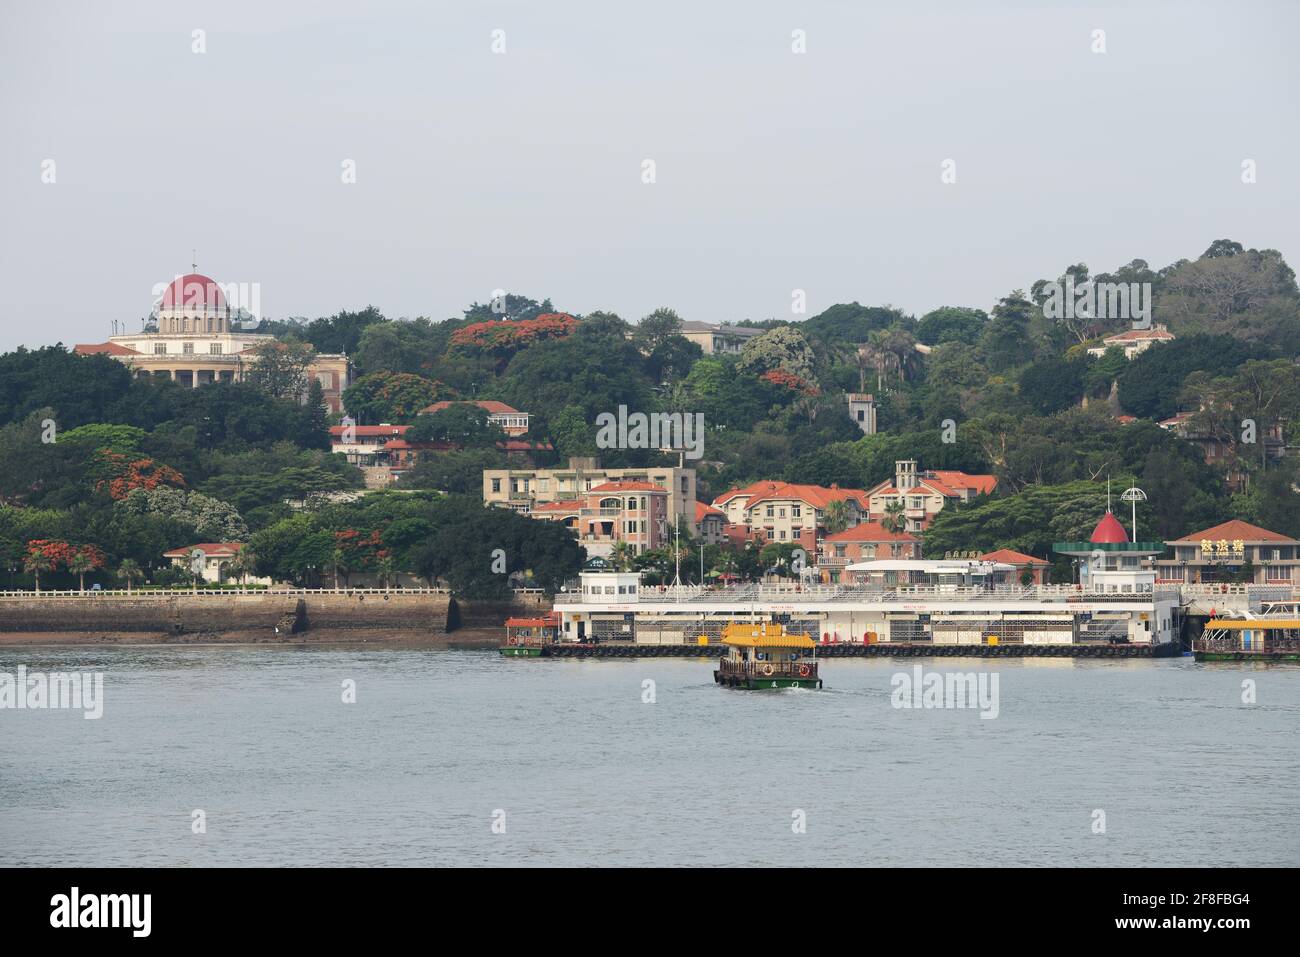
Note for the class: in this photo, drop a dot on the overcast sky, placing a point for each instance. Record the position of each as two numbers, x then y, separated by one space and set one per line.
523 170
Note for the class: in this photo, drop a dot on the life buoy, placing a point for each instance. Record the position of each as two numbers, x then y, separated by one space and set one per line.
768 669
803 671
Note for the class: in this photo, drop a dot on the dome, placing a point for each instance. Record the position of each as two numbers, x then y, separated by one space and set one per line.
1109 532
195 291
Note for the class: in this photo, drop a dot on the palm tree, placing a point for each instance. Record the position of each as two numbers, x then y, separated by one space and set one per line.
899 347
895 518
243 563
79 564
128 570
836 516
868 355
339 561
387 568
35 563
622 556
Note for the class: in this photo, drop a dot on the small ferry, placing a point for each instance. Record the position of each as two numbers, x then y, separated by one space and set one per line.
766 655
1249 639
526 637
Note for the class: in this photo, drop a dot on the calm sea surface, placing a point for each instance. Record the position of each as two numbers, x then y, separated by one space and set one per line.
587 773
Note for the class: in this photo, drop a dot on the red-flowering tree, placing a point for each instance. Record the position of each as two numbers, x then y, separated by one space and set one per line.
120 474
359 551
46 555
502 337
790 381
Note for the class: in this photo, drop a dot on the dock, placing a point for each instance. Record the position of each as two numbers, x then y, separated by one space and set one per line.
630 649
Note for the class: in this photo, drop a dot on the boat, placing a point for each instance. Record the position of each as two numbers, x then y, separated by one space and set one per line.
527 637
767 655
1249 639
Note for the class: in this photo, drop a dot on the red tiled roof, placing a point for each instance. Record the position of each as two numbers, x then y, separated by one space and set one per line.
815 495
558 507
628 487
982 484
1138 335
701 510
509 445
104 349
757 488
487 405
211 549
869 532
337 430
1233 530
1008 556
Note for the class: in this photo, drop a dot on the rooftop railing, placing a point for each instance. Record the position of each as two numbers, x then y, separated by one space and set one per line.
739 594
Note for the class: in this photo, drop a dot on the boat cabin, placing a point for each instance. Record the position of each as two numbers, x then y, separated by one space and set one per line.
765 655
525 637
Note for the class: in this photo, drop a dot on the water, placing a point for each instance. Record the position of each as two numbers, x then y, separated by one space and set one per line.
586 773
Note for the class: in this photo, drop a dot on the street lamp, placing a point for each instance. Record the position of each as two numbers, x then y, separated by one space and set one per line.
1134 495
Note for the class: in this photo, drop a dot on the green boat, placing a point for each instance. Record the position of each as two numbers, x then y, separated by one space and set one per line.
766 656
1249 639
528 637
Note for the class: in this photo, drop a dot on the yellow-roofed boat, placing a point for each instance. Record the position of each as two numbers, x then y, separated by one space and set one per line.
1249 639
766 655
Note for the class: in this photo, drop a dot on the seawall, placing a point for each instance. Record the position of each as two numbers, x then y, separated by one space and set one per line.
254 617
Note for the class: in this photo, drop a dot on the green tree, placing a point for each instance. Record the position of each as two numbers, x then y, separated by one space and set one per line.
836 516
129 571
36 564
279 369
461 424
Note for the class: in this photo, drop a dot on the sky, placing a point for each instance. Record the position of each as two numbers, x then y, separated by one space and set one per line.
523 167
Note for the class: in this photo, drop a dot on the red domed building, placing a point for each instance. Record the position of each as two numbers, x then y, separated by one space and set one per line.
197 343
1109 562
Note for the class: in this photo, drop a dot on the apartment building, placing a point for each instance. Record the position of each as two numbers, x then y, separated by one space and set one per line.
710 524
923 495
632 512
525 489
718 339
785 512
512 421
866 542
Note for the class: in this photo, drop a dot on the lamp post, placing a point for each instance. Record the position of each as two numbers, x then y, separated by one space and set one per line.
1134 495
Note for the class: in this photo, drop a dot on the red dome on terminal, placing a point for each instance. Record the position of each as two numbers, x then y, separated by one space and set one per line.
193 291
1109 531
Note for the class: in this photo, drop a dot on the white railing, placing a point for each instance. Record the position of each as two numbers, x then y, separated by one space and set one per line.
227 592
738 594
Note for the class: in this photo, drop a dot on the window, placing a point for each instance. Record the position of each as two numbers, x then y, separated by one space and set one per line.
543 485
187 348
685 485
160 348
496 485
796 511
781 512
214 348
631 504
783 534
609 589
770 511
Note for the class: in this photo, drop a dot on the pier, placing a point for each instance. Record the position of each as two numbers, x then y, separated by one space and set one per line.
893 649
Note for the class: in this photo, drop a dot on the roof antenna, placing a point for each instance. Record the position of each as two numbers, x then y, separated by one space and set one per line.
194 266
